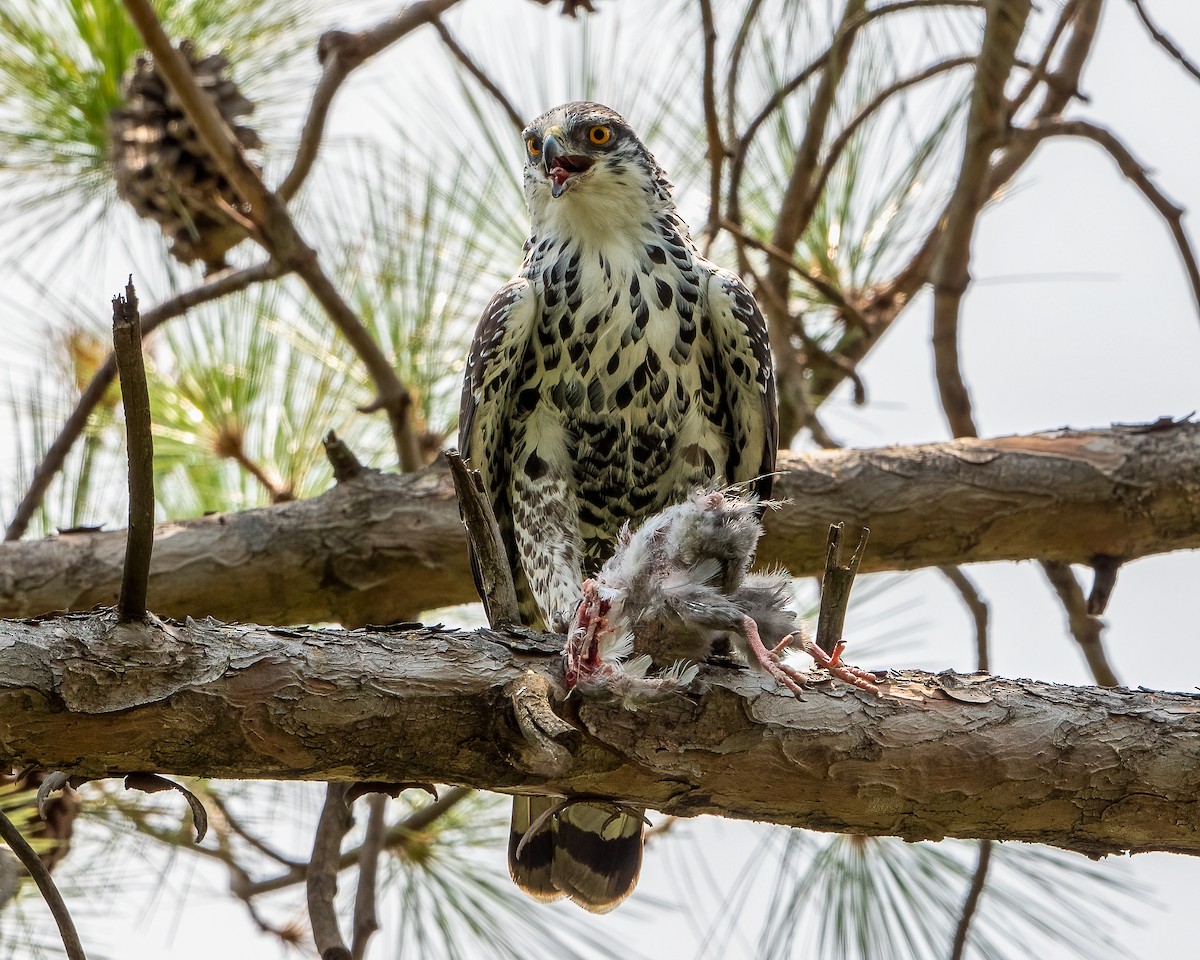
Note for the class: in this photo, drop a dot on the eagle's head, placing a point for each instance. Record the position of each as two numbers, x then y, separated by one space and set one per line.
586 171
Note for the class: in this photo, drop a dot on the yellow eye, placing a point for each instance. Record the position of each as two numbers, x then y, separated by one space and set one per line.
599 135
533 146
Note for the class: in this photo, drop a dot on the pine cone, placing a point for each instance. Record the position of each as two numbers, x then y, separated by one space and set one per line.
162 167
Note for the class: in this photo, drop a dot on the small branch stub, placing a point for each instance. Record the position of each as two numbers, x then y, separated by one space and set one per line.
135 398
835 586
489 559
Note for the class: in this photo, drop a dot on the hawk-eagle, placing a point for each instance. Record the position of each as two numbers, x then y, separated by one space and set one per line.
614 375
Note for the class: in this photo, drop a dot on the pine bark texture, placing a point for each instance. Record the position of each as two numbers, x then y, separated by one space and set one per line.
382 548
1089 769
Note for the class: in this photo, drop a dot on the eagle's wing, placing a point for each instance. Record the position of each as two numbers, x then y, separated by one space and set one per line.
494 366
744 370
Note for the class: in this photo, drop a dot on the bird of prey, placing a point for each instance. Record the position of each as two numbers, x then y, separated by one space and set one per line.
618 372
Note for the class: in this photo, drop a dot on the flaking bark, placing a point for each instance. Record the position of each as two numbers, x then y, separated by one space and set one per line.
382 548
1088 769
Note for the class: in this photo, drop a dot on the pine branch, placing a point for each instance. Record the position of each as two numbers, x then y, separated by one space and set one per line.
381 548
934 756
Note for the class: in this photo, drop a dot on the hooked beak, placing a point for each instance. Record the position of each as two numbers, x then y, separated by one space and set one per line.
561 167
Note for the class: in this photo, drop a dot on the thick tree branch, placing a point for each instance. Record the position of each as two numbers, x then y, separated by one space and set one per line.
382 548
1088 769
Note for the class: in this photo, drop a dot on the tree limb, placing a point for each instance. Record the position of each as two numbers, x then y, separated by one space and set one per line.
382 548
1083 768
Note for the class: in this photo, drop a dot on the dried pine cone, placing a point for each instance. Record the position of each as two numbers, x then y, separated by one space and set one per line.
162 167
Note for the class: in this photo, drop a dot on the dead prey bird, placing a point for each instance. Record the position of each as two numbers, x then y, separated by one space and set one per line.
672 591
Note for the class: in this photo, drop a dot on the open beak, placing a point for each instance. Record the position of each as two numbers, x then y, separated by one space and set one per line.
561 167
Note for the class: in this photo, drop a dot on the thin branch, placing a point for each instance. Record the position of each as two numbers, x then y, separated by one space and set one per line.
950 273
1164 41
826 289
972 902
735 65
41 876
397 835
839 144
233 825
1133 171
797 203
515 116
340 53
1040 70
213 288
135 399
1085 628
846 30
332 827
712 125
978 609
366 920
276 231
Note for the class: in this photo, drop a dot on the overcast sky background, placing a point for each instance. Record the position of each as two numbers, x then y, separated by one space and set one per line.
1081 317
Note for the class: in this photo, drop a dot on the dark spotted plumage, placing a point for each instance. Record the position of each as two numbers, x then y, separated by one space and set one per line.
614 375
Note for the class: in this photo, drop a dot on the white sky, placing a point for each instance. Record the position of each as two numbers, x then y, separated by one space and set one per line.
1081 316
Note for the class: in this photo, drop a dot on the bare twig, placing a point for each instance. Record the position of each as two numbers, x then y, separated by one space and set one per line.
231 824
735 65
340 53
515 116
213 288
490 560
972 901
712 125
842 140
275 229
135 398
332 827
41 876
836 583
950 270
1040 70
889 299
846 30
978 609
397 835
1085 628
366 920
1164 41
1133 171
832 294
